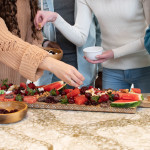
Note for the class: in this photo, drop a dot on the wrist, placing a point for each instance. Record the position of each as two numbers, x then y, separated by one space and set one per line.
48 64
55 15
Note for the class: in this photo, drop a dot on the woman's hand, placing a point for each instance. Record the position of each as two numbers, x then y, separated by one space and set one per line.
102 58
43 17
63 71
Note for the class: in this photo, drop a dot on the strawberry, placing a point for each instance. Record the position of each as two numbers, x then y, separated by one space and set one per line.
57 92
23 85
3 87
26 92
90 87
80 100
104 98
10 84
31 85
68 90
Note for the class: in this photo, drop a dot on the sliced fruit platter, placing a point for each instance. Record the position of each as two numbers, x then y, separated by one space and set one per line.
57 96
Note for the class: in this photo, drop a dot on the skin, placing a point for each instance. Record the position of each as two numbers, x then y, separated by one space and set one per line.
63 71
102 58
42 17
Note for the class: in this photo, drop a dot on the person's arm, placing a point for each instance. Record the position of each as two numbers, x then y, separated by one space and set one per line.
20 55
147 40
137 45
78 33
30 60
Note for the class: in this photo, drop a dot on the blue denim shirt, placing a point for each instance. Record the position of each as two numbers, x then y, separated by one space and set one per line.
88 70
147 40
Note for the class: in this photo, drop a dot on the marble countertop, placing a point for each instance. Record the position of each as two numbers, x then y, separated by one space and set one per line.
45 129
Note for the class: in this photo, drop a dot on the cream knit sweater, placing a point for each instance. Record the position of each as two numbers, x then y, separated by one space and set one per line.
21 57
122 24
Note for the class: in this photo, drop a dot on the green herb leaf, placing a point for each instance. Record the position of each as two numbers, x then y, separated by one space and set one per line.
64 100
31 91
95 98
53 92
2 91
19 97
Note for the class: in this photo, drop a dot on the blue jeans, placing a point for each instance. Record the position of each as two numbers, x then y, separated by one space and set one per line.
123 79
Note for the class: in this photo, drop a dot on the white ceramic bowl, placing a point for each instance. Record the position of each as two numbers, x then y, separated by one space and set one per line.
92 52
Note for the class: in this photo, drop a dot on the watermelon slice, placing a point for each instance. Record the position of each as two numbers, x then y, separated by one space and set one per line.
73 93
136 90
2 96
56 85
125 103
131 96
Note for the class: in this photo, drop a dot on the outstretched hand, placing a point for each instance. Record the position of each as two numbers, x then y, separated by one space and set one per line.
42 17
102 58
63 71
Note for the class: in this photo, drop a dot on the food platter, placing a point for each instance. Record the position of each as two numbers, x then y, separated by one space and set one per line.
75 107
57 96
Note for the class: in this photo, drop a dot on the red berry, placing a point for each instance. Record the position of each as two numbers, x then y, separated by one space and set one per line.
104 98
88 95
23 85
57 92
3 87
83 89
90 87
26 92
10 84
68 90
71 100
116 97
31 86
63 93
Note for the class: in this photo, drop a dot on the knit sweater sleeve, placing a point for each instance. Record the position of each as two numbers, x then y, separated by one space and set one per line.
78 33
20 55
137 45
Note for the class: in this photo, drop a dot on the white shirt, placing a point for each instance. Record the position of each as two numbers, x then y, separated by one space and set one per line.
122 24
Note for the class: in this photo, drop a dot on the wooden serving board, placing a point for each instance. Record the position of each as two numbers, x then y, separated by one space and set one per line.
145 103
97 108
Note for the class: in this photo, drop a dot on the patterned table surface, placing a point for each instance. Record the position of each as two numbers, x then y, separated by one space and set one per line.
43 129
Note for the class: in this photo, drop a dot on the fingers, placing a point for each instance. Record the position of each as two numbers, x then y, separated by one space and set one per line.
102 56
92 61
39 20
73 83
79 76
43 22
75 78
36 19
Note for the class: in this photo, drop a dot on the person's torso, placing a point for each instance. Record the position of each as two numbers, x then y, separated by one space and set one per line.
66 10
121 21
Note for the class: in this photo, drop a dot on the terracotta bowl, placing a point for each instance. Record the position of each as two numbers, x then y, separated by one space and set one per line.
13 117
59 52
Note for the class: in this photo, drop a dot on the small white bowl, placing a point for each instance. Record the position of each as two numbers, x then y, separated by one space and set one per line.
92 52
